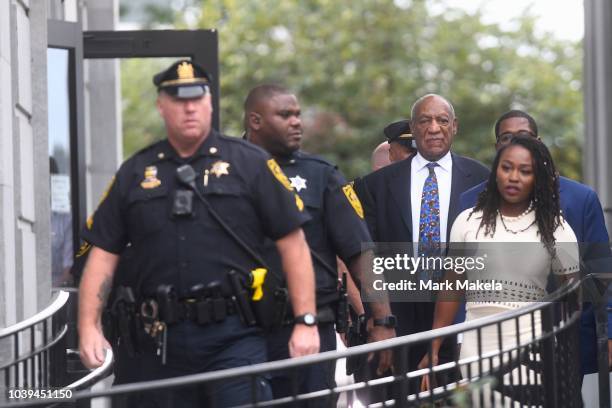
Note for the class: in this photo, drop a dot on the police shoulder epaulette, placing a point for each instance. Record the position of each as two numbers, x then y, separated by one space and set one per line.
243 143
147 156
315 158
151 149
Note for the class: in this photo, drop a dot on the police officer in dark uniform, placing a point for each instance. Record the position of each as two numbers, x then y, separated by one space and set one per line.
188 273
272 121
400 139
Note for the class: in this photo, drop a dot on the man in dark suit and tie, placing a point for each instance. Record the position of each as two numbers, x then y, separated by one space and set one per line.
417 200
582 211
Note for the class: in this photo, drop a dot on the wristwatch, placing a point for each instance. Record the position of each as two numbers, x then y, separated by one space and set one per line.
387 321
307 319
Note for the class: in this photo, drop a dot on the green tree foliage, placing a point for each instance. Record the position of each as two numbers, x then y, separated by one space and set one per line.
356 66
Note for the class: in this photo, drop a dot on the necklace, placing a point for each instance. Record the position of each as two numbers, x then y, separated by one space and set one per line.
511 230
521 215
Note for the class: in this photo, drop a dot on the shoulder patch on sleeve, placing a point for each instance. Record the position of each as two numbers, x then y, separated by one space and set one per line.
106 191
89 222
84 249
353 199
278 173
298 202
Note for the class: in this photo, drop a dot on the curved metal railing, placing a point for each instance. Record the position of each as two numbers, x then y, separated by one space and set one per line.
94 375
549 356
56 305
33 347
541 370
38 355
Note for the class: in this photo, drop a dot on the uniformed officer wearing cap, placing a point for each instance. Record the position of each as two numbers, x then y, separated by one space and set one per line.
400 139
272 121
175 241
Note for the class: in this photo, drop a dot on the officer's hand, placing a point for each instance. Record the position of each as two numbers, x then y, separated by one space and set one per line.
385 357
304 340
92 345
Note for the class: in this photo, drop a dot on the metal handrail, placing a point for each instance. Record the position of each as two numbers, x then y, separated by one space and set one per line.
60 300
331 355
336 355
94 375
38 350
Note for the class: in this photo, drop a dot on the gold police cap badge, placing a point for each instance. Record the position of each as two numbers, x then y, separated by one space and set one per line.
220 168
184 70
151 180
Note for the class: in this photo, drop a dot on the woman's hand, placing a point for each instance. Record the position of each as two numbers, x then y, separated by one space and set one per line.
425 385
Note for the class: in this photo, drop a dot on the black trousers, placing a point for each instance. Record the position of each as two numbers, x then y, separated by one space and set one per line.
304 379
197 349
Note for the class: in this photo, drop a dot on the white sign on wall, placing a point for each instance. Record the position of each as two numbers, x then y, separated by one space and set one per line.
60 193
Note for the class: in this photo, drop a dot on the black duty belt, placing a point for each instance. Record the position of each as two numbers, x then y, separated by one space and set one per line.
211 310
200 311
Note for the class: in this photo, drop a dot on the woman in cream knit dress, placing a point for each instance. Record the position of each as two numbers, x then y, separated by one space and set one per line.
518 224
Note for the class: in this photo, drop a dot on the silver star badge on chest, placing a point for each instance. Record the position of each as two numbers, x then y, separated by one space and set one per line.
220 168
298 183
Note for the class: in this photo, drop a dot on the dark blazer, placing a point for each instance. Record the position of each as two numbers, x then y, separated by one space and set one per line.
582 211
385 197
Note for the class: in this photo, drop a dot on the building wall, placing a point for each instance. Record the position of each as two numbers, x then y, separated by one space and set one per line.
102 105
8 312
25 231
24 169
598 101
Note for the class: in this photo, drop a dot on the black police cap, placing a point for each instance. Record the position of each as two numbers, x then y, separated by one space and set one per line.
183 79
397 131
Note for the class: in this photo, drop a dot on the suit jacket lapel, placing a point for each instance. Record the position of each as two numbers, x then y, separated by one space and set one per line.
459 183
399 185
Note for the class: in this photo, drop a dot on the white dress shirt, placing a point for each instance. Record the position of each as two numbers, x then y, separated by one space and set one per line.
418 175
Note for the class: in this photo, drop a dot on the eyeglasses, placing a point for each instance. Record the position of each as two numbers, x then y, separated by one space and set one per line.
506 137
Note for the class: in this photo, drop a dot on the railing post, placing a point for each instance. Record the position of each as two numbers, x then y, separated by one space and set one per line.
57 354
600 309
403 386
548 358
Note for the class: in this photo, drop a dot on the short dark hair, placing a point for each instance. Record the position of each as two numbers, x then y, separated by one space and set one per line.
261 92
515 113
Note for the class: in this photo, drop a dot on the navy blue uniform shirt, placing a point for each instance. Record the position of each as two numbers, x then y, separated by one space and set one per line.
336 226
241 182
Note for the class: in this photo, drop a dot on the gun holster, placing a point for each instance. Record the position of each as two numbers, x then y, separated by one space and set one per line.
121 320
356 336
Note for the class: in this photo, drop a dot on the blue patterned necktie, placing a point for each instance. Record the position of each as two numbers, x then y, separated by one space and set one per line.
429 220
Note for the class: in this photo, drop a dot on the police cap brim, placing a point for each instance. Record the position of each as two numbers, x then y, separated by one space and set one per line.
186 91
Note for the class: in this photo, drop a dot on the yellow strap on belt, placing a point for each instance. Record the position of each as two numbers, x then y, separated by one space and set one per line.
258 276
